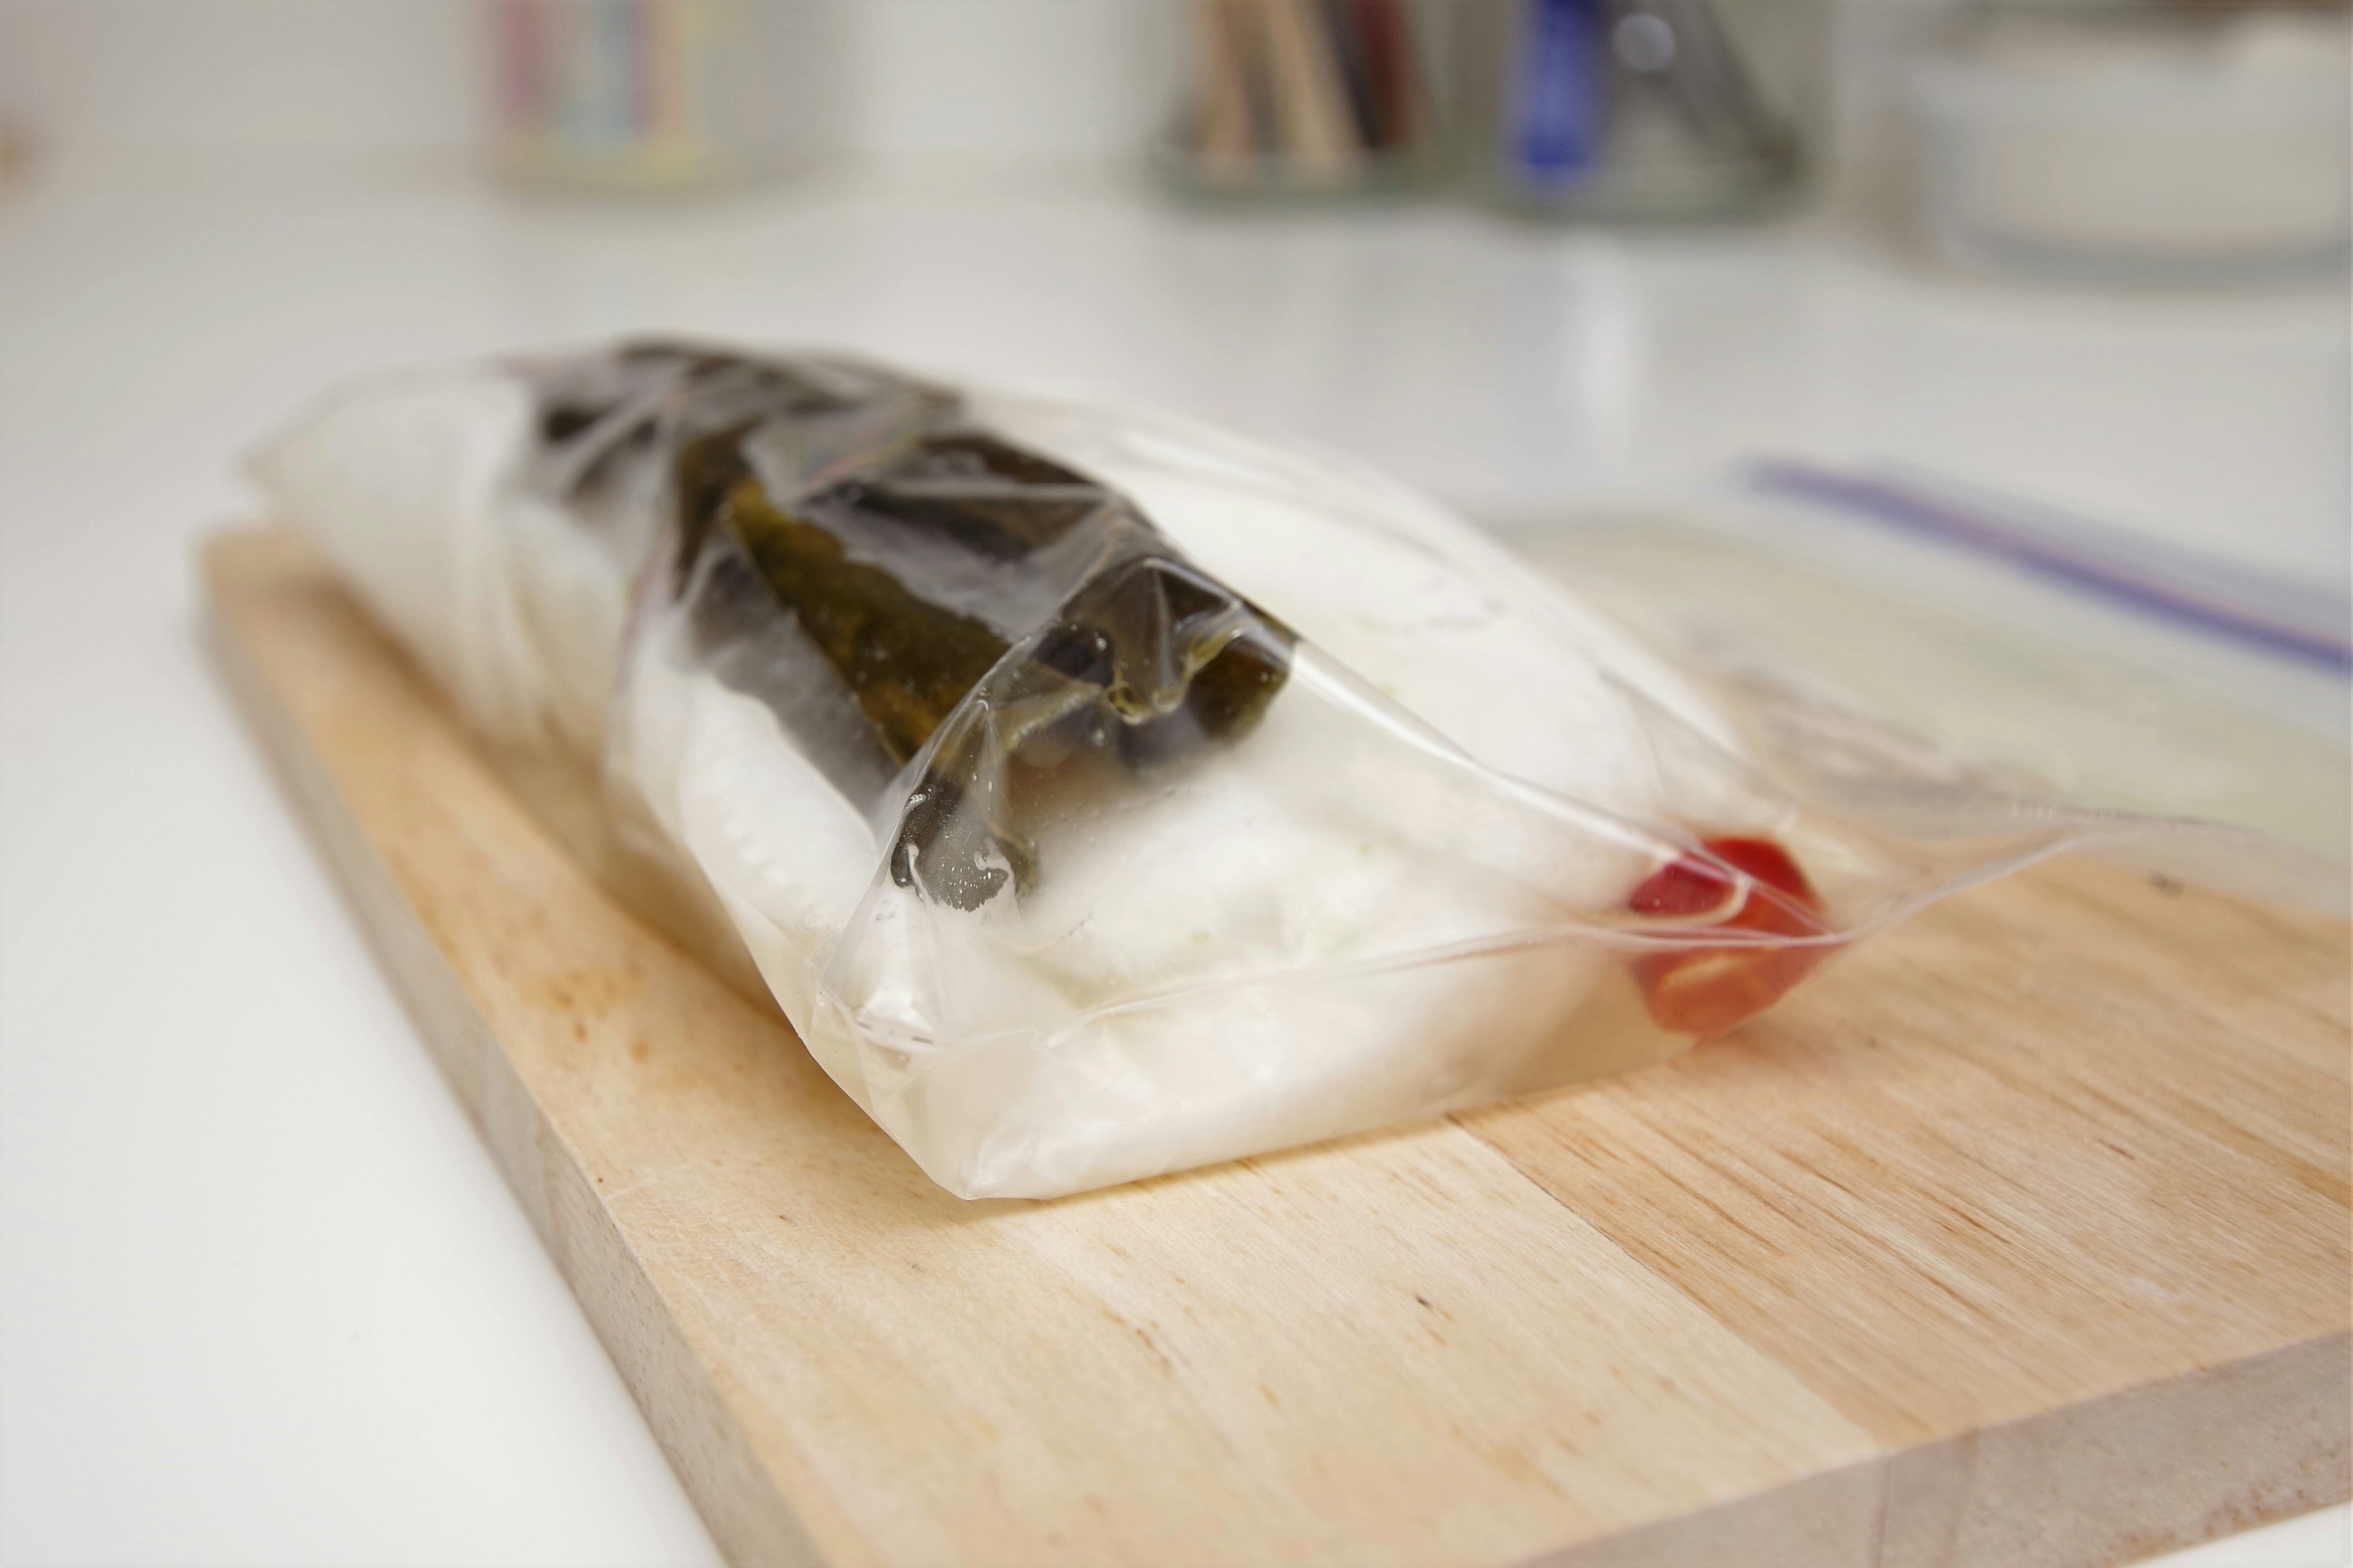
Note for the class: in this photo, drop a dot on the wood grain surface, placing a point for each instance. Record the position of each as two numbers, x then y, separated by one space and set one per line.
2020 1239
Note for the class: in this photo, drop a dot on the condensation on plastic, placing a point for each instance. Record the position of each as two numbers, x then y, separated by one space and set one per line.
1101 793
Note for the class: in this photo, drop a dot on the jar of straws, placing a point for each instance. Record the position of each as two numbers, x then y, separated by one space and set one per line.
1302 97
658 95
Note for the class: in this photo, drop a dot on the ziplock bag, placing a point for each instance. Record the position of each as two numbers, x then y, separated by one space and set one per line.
1101 793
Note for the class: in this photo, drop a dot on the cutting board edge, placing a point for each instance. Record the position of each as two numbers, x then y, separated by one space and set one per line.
1958 1502
2227 1447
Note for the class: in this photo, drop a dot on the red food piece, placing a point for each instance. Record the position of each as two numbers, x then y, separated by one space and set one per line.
1709 989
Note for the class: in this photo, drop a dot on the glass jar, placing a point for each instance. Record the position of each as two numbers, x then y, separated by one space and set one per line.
1638 109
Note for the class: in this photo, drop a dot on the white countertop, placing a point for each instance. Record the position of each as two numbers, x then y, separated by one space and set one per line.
263 1298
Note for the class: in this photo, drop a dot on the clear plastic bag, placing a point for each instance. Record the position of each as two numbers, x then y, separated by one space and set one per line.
1100 793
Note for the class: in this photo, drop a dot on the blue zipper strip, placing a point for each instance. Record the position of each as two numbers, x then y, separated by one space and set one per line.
2116 581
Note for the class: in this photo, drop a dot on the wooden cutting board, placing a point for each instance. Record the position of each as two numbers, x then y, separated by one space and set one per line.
2020 1239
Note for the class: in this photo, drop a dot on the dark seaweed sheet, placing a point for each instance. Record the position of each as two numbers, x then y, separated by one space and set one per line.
898 583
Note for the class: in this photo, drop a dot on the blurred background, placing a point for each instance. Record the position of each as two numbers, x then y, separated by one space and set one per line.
1988 360
2030 313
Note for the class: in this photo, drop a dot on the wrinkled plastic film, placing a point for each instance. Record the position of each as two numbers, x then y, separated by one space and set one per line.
1103 794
